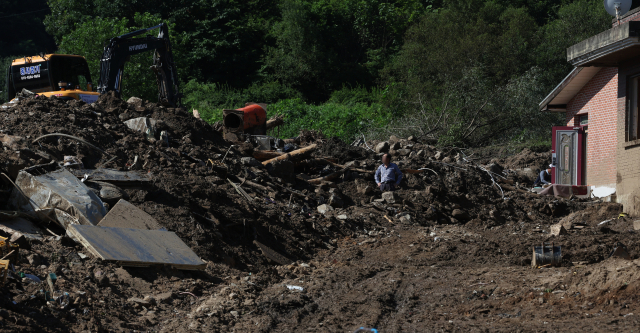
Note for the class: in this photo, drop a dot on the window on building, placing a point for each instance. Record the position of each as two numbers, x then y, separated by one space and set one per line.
632 108
584 120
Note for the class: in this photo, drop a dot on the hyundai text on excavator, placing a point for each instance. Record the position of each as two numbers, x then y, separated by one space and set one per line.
68 77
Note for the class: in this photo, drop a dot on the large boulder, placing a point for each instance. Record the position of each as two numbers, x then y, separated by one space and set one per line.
460 214
382 147
389 197
323 209
403 152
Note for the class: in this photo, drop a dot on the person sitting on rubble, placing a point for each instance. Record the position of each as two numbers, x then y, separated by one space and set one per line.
544 178
388 175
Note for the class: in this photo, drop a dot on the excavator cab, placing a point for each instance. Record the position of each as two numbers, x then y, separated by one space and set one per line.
62 75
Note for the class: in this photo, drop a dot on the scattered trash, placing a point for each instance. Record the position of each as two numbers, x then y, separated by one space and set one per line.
73 162
363 329
605 221
4 270
17 223
123 179
32 278
295 288
164 137
51 280
51 190
546 256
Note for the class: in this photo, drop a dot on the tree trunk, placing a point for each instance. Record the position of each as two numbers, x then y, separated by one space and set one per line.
293 154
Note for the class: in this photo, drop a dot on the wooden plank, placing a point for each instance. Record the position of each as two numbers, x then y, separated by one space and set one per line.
125 215
124 179
136 247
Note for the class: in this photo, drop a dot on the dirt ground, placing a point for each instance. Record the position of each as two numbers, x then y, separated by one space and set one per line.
450 252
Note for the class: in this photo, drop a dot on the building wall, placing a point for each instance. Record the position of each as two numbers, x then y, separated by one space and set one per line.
598 100
628 153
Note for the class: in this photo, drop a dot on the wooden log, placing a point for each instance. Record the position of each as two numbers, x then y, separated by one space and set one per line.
328 177
263 155
293 154
274 122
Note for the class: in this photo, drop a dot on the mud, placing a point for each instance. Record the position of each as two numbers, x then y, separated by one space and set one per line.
453 252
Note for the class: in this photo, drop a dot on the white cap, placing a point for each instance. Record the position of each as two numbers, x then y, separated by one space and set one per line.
550 165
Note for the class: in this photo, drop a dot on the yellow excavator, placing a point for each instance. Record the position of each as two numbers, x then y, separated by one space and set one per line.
67 76
62 75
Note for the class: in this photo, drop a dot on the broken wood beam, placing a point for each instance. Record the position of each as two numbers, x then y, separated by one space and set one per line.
295 153
328 177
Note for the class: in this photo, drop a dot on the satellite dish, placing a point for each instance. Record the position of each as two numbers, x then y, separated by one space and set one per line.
617 8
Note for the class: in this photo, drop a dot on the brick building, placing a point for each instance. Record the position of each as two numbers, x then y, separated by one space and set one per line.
600 144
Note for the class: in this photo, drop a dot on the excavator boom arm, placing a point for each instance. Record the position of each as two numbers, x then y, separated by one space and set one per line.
121 48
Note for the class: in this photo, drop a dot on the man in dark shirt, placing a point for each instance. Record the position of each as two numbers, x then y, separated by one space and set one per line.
544 177
388 175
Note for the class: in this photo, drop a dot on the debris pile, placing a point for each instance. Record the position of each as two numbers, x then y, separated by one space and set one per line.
92 191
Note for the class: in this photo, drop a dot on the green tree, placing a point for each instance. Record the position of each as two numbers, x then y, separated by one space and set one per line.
321 45
576 21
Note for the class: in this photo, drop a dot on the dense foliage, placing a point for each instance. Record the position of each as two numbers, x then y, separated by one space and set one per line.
463 72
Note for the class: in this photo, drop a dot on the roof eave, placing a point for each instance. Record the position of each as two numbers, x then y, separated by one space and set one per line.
544 105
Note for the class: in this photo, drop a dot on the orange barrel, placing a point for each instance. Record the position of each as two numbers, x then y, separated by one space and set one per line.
254 116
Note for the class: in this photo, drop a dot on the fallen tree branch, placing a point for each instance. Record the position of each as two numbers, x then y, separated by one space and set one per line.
292 154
